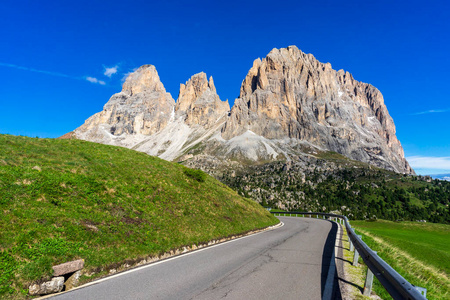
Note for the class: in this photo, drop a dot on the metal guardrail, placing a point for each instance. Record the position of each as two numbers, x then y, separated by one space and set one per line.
397 286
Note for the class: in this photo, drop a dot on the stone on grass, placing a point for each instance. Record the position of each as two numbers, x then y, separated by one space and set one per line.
53 286
68 267
72 281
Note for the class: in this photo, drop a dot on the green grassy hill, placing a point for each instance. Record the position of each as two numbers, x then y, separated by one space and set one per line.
420 252
62 200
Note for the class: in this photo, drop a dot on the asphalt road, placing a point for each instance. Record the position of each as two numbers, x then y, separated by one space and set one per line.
290 262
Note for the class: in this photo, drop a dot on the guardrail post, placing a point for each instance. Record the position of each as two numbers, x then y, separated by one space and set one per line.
392 281
356 256
369 281
421 290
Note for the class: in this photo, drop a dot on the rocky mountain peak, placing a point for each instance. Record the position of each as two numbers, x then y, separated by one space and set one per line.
144 78
290 94
142 107
192 90
288 101
199 102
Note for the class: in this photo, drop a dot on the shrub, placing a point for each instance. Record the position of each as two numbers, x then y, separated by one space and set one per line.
198 175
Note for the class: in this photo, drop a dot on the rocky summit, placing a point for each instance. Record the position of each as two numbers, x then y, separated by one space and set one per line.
290 106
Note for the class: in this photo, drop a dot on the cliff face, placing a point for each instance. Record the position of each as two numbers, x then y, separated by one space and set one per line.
287 101
142 107
199 102
290 94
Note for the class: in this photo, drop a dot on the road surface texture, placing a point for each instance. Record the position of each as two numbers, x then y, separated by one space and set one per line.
290 262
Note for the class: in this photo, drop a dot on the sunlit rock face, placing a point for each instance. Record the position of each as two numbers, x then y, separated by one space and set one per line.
142 107
290 94
199 102
288 101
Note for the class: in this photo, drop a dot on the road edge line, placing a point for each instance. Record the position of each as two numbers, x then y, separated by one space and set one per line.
137 268
328 289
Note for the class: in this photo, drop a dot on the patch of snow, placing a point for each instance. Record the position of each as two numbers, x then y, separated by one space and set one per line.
372 119
172 115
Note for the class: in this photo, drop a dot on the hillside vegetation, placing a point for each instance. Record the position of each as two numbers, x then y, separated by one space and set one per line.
62 200
420 252
330 182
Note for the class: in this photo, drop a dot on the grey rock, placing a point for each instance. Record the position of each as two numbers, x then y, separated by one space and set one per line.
290 105
68 267
142 107
199 102
289 94
53 286
72 281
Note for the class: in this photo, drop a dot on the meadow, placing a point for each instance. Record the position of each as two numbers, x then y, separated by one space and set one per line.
419 251
62 200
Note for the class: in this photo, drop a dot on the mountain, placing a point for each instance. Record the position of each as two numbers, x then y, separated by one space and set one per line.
441 176
290 106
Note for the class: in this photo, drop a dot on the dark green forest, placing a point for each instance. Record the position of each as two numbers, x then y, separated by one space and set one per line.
356 190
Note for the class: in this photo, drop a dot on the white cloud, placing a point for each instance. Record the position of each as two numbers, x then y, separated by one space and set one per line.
95 80
88 78
125 75
36 70
110 71
430 164
431 111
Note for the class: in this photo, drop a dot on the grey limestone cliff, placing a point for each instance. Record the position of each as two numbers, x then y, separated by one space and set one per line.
288 102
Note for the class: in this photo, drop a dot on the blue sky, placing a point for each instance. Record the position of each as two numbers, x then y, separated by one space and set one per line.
60 61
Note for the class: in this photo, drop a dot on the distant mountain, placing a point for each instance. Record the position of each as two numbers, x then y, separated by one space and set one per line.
441 176
290 106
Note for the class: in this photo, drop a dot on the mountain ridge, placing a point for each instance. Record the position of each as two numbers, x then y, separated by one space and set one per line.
288 101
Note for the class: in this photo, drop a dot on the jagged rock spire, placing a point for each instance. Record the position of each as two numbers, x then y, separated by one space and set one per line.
199 102
286 99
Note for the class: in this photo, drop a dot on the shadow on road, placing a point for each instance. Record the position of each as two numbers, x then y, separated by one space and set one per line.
326 259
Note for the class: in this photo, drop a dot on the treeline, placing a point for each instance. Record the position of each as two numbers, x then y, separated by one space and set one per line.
358 192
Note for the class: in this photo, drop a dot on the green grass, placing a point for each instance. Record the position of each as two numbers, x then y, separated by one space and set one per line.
62 200
420 252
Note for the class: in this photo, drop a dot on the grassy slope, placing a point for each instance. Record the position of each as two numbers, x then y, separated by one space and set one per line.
66 199
418 251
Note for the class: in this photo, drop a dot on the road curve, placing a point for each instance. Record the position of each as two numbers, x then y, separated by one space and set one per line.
290 262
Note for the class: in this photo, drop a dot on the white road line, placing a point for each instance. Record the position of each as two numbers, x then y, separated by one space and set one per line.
279 225
328 289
